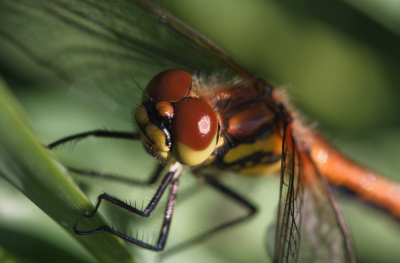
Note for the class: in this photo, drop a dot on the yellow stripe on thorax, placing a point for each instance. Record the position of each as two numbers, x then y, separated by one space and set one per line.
271 144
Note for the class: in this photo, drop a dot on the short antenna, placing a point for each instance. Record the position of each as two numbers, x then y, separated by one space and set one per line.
141 89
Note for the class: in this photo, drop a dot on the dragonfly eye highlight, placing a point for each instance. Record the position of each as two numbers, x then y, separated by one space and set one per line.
170 85
194 131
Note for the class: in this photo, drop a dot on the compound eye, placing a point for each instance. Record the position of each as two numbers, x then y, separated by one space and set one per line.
170 85
194 129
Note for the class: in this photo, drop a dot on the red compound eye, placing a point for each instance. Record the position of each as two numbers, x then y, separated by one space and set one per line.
170 85
194 130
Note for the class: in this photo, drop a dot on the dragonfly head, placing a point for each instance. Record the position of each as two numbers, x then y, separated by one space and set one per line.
173 122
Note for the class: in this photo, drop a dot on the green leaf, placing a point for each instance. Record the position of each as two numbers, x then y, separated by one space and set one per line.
32 169
6 257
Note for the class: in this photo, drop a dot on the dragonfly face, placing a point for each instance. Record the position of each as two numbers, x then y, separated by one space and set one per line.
171 114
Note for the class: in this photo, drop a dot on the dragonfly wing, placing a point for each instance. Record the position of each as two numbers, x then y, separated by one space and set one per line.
310 226
287 231
100 46
325 236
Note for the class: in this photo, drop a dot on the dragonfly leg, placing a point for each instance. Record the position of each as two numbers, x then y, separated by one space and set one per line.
171 179
107 134
96 133
251 210
118 178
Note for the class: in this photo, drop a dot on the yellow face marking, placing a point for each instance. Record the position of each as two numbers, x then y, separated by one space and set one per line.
141 115
157 137
164 155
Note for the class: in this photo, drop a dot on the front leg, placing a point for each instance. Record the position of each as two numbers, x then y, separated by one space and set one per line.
171 179
96 133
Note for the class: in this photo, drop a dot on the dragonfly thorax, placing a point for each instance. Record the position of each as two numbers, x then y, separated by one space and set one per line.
251 124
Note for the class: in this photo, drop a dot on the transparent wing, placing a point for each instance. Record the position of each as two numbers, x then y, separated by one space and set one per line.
287 231
325 236
99 46
310 226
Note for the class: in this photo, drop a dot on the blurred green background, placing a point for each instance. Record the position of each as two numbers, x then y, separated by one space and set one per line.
339 61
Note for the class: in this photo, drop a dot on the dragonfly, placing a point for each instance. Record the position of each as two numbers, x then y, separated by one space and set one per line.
278 142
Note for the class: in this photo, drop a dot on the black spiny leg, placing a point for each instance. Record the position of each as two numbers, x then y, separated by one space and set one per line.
107 134
171 179
96 133
234 197
118 178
